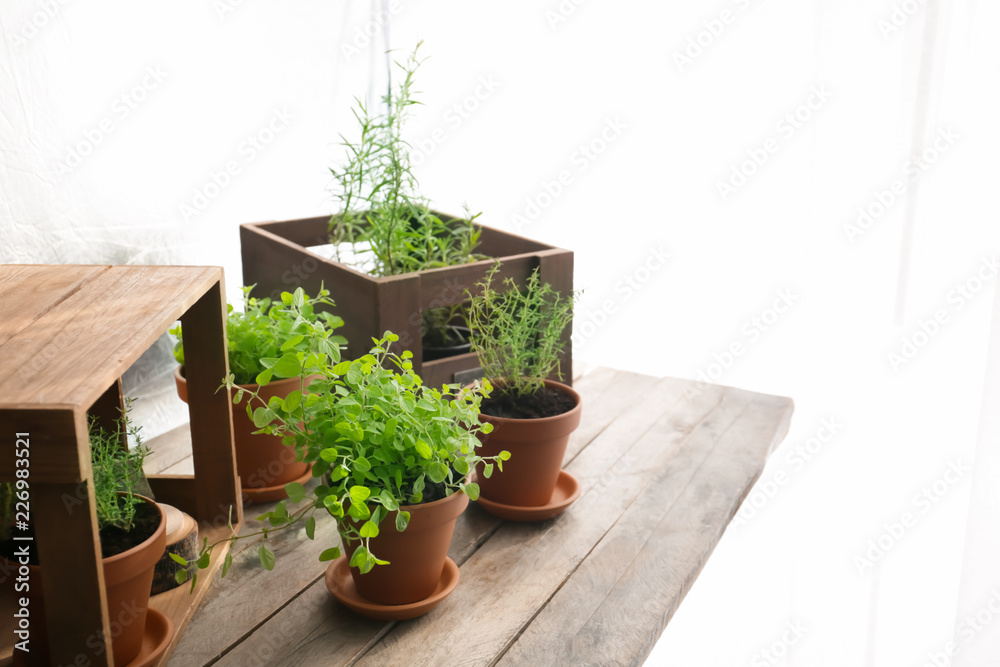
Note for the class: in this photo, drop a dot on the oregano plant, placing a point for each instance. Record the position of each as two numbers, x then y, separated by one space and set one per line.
377 437
266 330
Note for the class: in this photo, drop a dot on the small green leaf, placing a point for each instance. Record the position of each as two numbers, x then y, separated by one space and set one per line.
292 400
402 520
288 366
292 342
359 557
359 494
504 455
266 557
180 560
264 377
424 450
204 560
330 554
181 576
296 492
227 564
488 470
369 529
311 528
341 368
437 471
472 490
329 454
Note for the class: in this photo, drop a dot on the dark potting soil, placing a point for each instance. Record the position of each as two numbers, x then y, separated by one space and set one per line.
113 540
543 403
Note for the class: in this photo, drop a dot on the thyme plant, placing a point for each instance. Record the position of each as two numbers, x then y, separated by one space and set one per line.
517 333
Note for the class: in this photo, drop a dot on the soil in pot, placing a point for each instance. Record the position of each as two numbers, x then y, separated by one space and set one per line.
545 402
113 540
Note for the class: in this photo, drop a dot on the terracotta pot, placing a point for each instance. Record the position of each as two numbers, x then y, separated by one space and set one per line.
262 461
128 578
536 447
416 556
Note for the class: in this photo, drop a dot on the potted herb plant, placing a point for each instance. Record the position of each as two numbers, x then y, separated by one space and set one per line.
518 334
398 264
133 539
395 458
257 338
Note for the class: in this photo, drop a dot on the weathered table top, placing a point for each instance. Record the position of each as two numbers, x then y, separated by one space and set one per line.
663 464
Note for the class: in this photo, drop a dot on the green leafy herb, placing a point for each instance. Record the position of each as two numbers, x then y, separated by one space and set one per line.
265 339
388 226
517 333
378 437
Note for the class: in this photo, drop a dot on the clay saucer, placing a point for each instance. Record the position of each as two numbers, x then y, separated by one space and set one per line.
565 494
340 583
159 632
268 494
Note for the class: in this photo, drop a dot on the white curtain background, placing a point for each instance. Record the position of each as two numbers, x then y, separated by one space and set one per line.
707 163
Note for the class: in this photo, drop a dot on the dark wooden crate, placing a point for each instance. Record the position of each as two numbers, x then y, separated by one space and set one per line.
276 257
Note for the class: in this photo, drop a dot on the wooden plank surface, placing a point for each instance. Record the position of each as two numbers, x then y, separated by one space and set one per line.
79 349
29 291
663 470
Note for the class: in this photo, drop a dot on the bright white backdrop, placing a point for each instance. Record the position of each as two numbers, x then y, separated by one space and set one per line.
612 129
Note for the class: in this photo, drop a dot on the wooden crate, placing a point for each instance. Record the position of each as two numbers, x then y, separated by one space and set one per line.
67 334
276 257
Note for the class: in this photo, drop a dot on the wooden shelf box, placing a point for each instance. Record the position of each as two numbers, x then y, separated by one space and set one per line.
277 257
67 334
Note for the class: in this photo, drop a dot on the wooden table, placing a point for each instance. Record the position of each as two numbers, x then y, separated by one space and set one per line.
67 333
664 465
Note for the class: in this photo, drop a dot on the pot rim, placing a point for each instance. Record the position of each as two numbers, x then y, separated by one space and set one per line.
551 384
162 527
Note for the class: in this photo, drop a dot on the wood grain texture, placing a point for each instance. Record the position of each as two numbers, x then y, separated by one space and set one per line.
663 465
212 448
29 291
69 355
617 603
